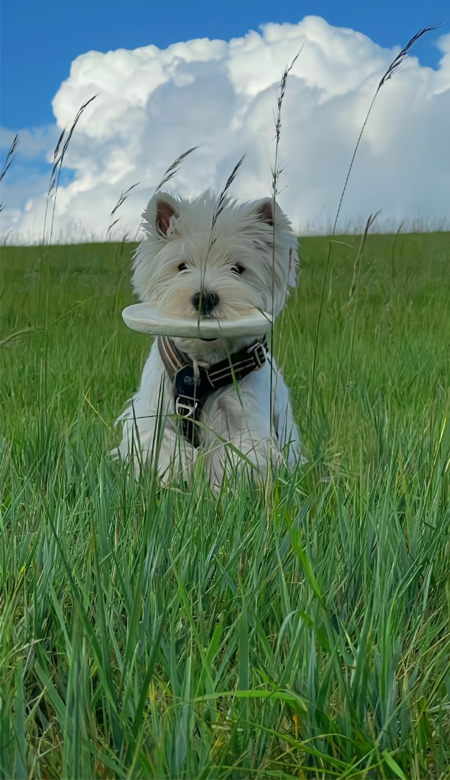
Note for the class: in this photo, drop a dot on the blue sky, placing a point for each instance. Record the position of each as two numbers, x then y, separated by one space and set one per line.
174 75
41 39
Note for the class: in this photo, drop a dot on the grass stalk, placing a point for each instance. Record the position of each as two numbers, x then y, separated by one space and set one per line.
391 70
59 154
8 161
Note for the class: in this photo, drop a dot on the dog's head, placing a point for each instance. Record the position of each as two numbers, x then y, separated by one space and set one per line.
188 266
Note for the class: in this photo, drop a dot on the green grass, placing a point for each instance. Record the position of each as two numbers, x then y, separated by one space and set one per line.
300 630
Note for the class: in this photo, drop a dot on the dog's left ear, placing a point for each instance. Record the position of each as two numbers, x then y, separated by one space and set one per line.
161 215
264 210
271 213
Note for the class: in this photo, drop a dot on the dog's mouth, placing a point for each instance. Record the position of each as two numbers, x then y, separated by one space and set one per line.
207 317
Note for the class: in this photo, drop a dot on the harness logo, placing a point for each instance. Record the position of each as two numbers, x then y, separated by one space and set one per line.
190 380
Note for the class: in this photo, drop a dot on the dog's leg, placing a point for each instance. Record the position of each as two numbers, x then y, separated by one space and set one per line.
245 457
176 457
151 438
149 434
259 434
239 436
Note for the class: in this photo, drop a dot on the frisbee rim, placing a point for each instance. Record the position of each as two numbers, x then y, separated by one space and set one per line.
155 324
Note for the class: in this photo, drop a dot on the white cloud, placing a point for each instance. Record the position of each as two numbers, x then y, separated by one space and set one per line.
154 104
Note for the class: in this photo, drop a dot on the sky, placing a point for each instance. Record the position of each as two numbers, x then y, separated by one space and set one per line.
173 76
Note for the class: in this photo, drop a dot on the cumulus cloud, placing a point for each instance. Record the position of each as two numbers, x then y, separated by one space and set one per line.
154 104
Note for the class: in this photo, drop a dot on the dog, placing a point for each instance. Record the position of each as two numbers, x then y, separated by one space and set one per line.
210 257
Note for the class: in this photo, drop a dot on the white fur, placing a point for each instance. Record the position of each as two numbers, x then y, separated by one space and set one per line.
179 231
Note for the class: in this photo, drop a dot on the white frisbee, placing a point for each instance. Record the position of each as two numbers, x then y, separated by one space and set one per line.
147 319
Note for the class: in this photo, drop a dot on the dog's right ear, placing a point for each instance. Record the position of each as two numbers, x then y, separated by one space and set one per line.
161 215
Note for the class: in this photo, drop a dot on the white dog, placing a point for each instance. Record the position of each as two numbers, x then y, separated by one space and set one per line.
205 258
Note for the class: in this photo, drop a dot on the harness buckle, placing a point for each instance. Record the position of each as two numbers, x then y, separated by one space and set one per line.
184 409
259 354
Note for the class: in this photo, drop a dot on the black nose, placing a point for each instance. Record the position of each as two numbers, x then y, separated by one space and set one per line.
204 302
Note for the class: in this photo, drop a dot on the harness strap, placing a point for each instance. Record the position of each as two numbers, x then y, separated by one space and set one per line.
192 388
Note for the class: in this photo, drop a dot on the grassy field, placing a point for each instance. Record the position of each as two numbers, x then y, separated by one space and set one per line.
301 630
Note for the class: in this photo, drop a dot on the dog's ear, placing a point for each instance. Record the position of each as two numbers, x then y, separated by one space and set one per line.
264 210
161 215
269 212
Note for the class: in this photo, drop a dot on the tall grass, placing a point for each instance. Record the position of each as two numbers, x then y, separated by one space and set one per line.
10 155
389 73
300 630
59 154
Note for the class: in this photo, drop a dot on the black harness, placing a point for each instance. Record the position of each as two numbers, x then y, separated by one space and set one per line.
192 388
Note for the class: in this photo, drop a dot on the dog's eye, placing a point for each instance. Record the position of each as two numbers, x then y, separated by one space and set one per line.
238 269
182 267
